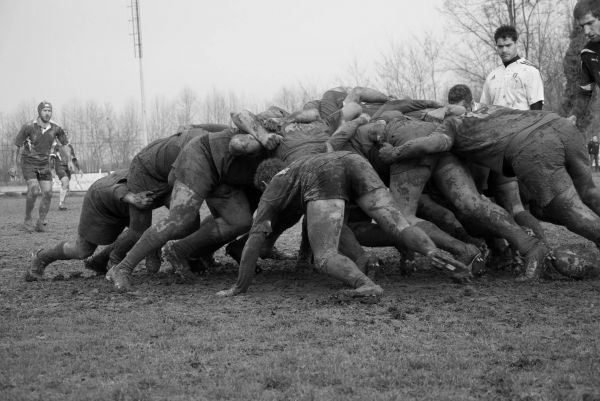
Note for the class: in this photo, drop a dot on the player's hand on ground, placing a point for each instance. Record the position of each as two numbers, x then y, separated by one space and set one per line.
230 292
271 142
572 119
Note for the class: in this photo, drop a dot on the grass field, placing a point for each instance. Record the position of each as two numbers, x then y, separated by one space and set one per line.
73 338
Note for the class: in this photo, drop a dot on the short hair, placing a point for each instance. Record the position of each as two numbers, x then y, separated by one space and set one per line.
266 170
458 93
506 31
586 6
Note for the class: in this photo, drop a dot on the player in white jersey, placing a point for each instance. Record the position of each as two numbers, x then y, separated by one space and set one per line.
516 83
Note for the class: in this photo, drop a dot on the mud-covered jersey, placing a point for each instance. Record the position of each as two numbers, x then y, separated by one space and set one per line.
302 139
487 135
518 85
205 161
106 194
158 157
335 175
37 142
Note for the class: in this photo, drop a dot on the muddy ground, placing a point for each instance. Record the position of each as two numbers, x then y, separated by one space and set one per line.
73 338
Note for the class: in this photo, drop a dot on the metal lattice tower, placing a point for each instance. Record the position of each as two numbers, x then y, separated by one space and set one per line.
137 49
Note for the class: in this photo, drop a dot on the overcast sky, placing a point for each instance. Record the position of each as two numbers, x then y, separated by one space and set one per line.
65 50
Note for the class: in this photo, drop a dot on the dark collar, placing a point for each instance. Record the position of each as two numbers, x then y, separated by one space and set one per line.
511 61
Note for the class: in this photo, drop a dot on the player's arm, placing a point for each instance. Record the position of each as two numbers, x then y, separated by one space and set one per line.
261 227
363 94
242 144
342 135
249 124
142 200
438 141
535 90
19 142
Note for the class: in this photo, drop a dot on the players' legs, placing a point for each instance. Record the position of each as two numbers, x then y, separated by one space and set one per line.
325 219
46 188
455 182
231 217
64 190
445 219
406 187
65 250
185 204
33 190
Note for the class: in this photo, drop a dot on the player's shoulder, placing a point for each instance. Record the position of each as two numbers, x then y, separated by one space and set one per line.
498 70
524 63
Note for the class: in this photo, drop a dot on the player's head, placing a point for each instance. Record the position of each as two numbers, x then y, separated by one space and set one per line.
266 170
506 42
461 95
44 110
587 15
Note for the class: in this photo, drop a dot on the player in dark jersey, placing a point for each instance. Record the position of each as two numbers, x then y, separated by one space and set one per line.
149 171
33 146
320 186
205 169
104 215
544 151
60 159
408 178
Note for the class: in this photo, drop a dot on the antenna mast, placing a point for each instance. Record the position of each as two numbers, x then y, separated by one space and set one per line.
137 49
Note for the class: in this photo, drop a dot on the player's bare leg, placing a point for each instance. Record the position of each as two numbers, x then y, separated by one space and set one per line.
46 188
406 187
64 190
33 190
325 219
381 207
455 182
65 250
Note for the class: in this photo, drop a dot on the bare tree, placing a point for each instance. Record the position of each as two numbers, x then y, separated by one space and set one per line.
411 69
543 27
186 106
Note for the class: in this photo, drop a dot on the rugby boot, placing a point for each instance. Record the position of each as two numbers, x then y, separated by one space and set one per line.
369 265
36 268
119 277
62 207
181 265
477 265
535 263
95 265
153 262
40 226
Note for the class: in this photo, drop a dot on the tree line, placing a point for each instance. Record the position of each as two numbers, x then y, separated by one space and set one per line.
422 66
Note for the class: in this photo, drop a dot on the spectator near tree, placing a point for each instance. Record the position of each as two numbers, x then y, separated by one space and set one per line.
516 83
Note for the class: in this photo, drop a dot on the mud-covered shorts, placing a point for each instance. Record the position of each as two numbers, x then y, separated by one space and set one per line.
548 160
62 170
140 180
36 172
97 225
